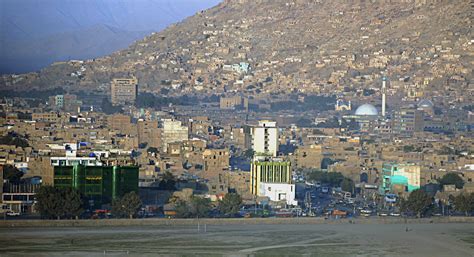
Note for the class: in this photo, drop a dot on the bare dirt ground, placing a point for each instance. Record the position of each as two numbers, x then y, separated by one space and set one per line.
243 240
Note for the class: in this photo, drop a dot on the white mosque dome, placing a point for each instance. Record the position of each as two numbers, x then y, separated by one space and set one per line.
425 103
366 110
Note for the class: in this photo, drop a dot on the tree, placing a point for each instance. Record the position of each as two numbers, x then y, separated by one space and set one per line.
48 204
152 150
452 179
13 139
168 182
196 207
464 203
249 153
108 108
59 202
72 202
127 206
200 207
182 209
347 185
12 174
230 204
418 202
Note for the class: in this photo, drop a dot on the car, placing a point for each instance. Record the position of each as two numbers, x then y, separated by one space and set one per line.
395 214
12 213
383 214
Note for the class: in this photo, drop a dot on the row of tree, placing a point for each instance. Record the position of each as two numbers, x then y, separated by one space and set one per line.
198 207
67 203
335 179
420 203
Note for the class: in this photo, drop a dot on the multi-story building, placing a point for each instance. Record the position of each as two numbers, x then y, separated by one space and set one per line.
171 132
265 138
400 178
100 184
408 121
215 161
123 90
234 102
271 177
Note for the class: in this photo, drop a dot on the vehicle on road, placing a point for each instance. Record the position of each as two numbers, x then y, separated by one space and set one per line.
12 213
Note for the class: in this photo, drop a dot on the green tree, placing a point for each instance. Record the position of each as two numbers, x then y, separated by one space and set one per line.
182 209
72 202
464 203
200 207
249 153
230 204
49 205
13 139
418 202
12 174
347 185
152 150
452 179
168 182
335 178
59 202
108 108
127 206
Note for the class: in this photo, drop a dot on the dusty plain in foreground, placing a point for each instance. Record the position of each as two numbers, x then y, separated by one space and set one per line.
451 239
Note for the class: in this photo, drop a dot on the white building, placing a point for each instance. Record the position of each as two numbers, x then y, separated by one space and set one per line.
279 192
172 132
71 161
265 138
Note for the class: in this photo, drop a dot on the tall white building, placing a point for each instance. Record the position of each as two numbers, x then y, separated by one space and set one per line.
265 138
172 132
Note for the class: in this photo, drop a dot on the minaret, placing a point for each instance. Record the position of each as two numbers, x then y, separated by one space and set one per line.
384 83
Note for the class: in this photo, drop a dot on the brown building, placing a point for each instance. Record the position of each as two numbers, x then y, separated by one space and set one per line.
308 156
123 91
233 102
215 161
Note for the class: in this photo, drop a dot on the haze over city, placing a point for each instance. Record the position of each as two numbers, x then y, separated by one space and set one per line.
236 128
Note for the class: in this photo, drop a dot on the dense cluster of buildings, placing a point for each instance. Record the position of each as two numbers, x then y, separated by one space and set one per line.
221 149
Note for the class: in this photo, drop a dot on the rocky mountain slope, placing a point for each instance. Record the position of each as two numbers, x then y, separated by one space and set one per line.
280 46
34 34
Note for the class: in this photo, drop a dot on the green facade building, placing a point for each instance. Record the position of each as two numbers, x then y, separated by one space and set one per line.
400 177
100 184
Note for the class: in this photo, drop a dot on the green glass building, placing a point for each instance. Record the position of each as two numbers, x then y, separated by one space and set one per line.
100 184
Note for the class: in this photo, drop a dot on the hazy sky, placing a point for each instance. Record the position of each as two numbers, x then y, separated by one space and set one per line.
26 25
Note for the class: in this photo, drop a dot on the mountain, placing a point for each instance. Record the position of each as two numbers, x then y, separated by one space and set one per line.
29 27
280 46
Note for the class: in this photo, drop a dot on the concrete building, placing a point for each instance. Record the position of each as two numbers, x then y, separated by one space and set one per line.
234 102
171 132
215 161
100 184
265 138
123 91
400 178
269 170
308 156
279 192
408 120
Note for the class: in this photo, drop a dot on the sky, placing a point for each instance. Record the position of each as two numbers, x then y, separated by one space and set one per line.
35 33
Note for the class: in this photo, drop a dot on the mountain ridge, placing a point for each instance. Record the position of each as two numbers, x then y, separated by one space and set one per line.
301 45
